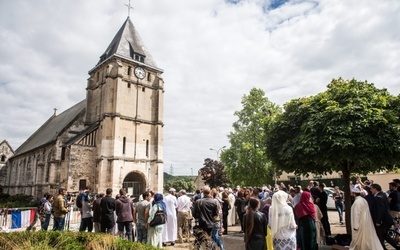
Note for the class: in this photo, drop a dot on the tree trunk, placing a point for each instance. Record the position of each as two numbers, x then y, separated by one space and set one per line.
347 197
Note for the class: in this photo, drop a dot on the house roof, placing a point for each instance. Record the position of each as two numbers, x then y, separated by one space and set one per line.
50 130
126 43
8 145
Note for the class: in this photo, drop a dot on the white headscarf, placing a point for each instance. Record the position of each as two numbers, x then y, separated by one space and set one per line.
281 214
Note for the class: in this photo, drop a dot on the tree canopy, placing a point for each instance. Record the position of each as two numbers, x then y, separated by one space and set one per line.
353 127
246 160
213 173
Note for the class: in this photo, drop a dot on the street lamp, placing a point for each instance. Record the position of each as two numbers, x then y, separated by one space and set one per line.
218 151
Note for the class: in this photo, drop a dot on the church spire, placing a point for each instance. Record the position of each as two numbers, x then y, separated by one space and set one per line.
127 43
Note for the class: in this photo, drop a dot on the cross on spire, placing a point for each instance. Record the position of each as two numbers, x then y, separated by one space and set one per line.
129 7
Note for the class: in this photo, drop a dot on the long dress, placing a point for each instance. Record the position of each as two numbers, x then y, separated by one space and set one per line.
364 238
319 228
232 211
170 230
154 234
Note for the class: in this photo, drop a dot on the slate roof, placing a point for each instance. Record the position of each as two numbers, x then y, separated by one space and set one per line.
50 130
126 42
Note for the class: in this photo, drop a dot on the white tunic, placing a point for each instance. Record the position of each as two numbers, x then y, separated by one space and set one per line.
232 211
364 238
170 229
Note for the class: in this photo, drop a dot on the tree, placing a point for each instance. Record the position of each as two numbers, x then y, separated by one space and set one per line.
213 173
246 160
352 127
180 183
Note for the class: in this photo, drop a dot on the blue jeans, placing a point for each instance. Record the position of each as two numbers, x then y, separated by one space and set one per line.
215 236
339 208
141 232
45 223
59 223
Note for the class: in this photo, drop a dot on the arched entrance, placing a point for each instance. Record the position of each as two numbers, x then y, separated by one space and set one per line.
134 184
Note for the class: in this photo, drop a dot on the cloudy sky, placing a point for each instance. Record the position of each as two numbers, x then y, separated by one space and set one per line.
212 52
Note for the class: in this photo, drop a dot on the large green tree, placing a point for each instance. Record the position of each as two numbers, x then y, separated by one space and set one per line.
246 160
352 127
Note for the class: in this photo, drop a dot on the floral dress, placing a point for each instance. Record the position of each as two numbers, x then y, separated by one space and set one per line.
154 234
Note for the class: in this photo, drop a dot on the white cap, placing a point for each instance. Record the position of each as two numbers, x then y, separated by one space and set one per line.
172 190
355 190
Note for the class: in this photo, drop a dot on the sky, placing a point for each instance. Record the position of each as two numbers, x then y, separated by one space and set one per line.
212 52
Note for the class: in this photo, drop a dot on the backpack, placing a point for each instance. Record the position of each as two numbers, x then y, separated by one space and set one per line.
42 212
79 201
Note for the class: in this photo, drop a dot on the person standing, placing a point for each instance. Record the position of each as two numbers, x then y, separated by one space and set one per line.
60 210
97 213
240 204
232 210
125 211
380 213
363 235
86 212
170 229
338 197
154 234
255 227
321 202
184 205
394 202
107 206
41 202
282 222
47 211
205 210
306 215
225 211
142 210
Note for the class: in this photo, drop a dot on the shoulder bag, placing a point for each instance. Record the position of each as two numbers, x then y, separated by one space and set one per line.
159 218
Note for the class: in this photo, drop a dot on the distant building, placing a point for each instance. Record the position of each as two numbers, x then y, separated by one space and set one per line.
113 138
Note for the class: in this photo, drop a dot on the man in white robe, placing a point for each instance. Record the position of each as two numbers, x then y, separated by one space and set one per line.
170 228
363 232
232 211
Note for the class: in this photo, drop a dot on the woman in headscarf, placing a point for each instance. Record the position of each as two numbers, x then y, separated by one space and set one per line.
154 235
282 222
255 226
305 214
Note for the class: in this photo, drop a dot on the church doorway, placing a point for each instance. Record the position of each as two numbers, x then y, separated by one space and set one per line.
134 184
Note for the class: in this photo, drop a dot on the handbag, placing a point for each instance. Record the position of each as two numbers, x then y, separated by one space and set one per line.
159 218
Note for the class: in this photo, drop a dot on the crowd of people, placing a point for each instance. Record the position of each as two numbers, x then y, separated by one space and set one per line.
289 217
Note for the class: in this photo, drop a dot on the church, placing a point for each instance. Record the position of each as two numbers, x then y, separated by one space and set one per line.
112 139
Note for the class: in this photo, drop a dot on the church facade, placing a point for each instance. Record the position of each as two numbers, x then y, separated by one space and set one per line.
112 139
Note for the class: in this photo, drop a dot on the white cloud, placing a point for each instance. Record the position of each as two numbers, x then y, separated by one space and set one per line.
212 52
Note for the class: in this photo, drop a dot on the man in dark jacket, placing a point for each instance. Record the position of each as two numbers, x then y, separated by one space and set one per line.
97 213
125 211
204 211
107 206
380 213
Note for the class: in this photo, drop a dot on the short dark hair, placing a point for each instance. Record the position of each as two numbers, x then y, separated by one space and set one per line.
122 191
60 190
109 191
145 194
377 187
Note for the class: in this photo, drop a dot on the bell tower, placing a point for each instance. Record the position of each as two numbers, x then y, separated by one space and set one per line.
125 96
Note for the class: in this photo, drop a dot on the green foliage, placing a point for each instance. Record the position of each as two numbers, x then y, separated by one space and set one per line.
179 183
66 240
352 127
18 200
213 173
246 160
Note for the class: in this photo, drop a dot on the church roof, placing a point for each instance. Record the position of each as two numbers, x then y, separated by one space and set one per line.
50 130
128 43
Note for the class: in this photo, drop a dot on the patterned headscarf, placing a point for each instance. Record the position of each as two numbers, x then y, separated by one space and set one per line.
158 199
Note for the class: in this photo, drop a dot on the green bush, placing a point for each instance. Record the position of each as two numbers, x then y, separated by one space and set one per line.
18 200
66 240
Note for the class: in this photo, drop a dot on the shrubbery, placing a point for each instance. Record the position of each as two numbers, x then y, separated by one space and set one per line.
18 200
51 240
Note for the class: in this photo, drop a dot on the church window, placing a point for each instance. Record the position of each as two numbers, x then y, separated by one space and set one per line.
3 158
123 145
129 85
129 71
63 153
147 148
97 76
143 89
148 77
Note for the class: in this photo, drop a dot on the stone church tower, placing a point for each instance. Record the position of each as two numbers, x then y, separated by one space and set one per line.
112 139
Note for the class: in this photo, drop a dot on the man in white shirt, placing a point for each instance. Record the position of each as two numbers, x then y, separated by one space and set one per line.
183 206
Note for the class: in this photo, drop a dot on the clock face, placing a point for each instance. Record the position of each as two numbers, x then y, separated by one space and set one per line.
140 73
